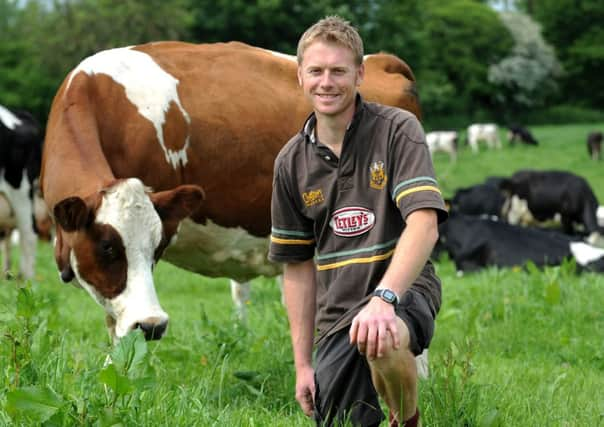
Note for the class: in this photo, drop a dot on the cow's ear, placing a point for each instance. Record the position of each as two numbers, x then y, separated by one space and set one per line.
179 203
73 214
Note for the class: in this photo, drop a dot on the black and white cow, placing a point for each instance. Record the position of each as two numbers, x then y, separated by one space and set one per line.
483 199
445 141
20 156
483 132
594 145
543 195
474 243
521 134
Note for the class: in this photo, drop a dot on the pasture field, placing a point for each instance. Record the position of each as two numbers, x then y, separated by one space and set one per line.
513 347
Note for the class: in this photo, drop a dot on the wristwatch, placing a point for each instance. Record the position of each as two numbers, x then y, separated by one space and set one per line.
387 295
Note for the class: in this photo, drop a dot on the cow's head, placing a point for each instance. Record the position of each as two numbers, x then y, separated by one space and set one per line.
110 242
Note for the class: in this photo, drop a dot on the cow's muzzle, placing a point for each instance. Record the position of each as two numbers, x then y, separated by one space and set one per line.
152 327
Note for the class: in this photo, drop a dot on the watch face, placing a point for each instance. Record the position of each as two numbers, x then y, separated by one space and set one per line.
389 296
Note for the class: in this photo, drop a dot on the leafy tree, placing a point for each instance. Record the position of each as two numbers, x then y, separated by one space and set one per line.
574 28
527 76
395 27
271 24
23 81
88 26
464 38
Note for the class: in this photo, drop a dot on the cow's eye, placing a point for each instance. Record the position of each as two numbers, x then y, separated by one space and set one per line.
108 251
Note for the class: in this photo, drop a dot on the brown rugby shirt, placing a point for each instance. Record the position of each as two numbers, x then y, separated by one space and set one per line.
348 213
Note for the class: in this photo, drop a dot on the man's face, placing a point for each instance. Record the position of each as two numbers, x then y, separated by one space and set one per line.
329 77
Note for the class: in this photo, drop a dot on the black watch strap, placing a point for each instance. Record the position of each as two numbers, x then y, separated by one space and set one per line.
387 295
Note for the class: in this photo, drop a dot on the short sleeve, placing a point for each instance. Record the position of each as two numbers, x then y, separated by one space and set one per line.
292 236
414 185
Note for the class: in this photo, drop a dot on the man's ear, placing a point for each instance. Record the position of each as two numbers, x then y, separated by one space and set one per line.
360 74
178 203
73 214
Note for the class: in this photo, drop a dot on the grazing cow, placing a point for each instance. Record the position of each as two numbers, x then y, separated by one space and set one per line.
487 132
445 141
543 195
522 134
594 145
485 200
133 136
20 152
474 243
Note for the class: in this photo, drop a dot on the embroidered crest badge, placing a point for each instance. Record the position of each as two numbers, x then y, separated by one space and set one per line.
378 176
313 197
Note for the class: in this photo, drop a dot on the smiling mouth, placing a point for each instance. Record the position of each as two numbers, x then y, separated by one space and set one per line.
327 95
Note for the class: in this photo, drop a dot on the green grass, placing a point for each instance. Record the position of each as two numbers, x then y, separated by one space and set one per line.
513 347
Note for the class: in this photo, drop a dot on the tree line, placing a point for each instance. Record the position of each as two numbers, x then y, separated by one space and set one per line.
471 61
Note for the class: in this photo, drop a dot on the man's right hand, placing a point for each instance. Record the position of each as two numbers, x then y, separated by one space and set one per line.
305 390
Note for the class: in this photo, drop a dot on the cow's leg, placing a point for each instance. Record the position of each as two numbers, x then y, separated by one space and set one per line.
421 362
240 292
5 251
23 208
453 154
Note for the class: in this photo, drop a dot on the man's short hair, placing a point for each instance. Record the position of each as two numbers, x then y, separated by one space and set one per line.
332 29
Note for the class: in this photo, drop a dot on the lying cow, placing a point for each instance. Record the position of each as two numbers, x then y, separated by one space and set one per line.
474 243
544 195
135 133
486 132
594 145
521 134
20 152
445 141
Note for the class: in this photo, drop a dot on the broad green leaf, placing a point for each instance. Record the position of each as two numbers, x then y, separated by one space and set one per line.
109 418
130 352
38 403
120 384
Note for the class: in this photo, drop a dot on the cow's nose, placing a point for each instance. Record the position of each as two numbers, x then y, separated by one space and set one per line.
153 328
67 275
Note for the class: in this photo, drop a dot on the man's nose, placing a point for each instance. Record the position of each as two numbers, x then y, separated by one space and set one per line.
326 79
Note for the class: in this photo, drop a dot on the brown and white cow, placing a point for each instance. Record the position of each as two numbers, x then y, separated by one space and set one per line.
133 136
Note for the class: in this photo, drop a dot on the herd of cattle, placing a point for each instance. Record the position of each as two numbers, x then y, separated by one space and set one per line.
488 133
165 150
539 216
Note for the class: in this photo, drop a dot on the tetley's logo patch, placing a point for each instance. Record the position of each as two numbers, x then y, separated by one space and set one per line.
313 197
378 176
352 221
